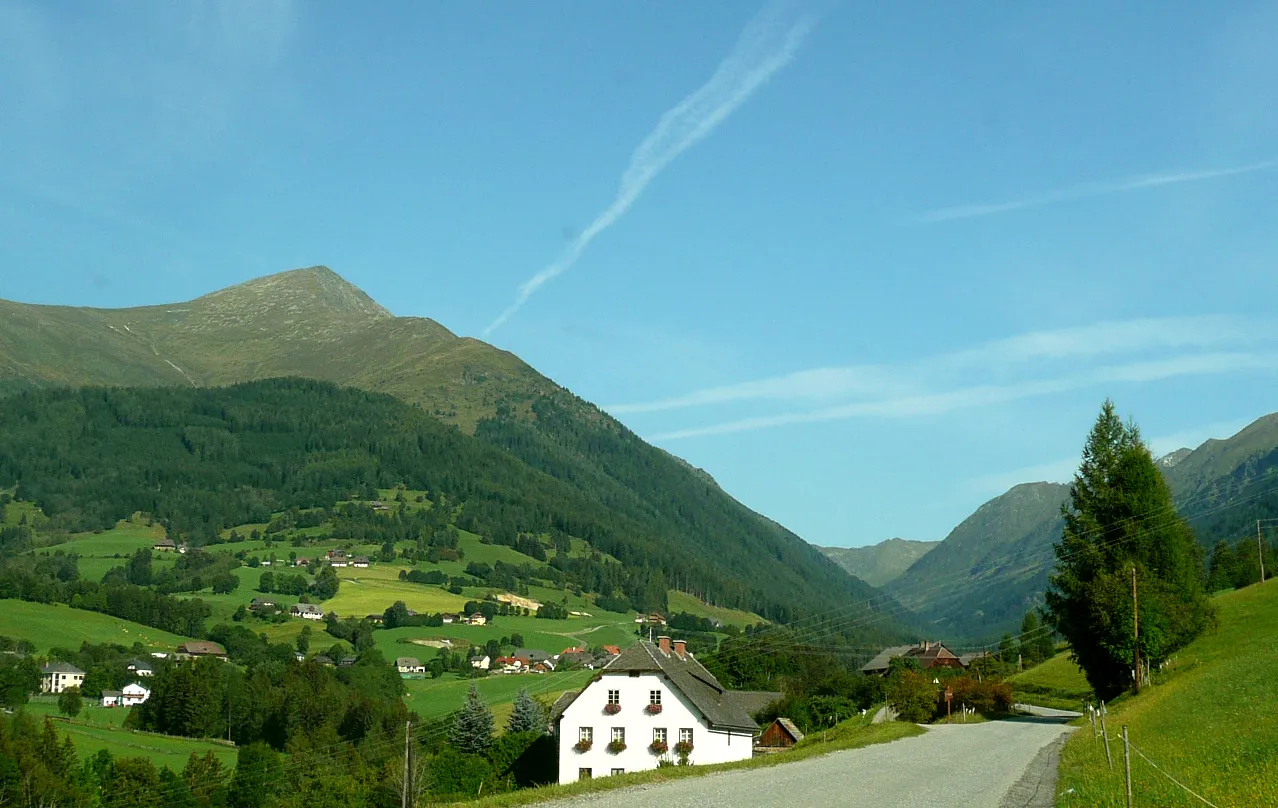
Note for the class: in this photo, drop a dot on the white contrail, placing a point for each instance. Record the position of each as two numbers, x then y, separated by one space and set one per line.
1094 189
766 45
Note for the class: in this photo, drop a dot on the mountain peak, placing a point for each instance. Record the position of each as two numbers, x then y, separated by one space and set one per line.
308 291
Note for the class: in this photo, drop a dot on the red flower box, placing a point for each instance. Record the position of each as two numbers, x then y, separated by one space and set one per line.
612 709
653 709
659 748
583 746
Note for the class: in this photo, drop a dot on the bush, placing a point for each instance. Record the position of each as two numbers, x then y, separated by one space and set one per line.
988 698
912 695
455 774
69 702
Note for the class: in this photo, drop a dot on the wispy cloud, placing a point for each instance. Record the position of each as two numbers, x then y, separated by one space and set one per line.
767 44
929 404
1083 342
1089 190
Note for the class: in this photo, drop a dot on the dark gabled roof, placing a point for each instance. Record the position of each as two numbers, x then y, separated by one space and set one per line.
562 703
112 694
61 667
198 647
689 677
752 701
882 661
532 654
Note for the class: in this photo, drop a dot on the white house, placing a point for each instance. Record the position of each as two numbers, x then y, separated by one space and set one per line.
409 666
58 676
139 668
134 694
477 619
112 698
307 611
652 702
481 662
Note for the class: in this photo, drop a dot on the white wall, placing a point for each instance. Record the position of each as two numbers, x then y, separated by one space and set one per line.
677 712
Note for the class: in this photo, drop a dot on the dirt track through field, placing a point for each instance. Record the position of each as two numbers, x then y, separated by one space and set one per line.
974 766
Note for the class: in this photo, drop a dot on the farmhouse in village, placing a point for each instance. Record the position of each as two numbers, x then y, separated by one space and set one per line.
410 667
929 655
132 694
307 611
653 702
58 676
200 648
139 667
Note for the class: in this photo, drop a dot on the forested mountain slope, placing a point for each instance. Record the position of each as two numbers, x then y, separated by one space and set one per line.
993 567
204 459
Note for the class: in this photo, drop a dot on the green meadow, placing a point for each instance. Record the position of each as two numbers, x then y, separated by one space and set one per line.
1208 721
58 625
1057 683
97 728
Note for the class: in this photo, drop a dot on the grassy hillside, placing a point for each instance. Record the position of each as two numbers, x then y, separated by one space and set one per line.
312 323
1057 683
56 625
1208 721
880 564
683 602
97 728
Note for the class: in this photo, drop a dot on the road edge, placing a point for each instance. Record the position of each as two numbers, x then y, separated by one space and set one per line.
1036 787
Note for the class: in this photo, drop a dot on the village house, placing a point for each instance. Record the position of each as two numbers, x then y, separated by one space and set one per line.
132 694
477 619
653 619
58 676
165 545
928 654
307 611
378 505
410 667
450 618
112 698
612 650
361 562
376 619
261 603
480 662
653 702
780 734
139 668
509 664
200 648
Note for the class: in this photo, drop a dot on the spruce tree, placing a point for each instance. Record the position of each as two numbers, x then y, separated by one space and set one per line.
527 716
472 730
1120 517
1030 631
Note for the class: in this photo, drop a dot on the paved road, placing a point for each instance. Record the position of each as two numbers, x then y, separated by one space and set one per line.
974 766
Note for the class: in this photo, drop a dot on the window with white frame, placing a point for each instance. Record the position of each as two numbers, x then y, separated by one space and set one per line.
614 697
654 697
618 771
619 734
659 735
586 734
685 735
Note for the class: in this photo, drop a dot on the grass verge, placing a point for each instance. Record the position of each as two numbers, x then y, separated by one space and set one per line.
851 734
1208 721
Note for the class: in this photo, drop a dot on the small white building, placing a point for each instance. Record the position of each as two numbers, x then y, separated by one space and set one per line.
481 662
409 666
477 619
307 611
58 676
652 702
138 667
134 694
112 698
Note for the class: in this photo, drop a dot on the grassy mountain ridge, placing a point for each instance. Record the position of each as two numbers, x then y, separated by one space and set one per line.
311 323
879 564
995 562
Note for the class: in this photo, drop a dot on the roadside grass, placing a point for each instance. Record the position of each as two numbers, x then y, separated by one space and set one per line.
851 734
1057 683
163 750
50 625
682 602
1208 721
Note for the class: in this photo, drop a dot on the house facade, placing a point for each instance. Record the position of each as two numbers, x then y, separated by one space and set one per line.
58 676
133 694
644 704
928 654
410 667
201 648
307 611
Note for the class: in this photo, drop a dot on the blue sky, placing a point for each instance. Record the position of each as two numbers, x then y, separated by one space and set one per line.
867 266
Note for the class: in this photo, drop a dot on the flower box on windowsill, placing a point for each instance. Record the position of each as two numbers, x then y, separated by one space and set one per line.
683 749
583 746
612 709
616 747
659 747
654 709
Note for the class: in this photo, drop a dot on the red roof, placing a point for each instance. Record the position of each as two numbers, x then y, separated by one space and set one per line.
612 649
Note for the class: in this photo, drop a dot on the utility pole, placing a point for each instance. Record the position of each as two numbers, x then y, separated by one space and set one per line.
1260 551
404 802
1136 629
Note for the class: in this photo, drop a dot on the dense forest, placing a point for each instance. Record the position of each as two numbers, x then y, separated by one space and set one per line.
203 460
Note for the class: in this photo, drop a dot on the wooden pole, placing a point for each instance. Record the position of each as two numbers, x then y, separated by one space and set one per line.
1136 629
404 797
1105 733
1127 757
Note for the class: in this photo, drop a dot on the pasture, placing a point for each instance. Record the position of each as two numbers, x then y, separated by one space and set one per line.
682 602
1057 683
1207 721
59 625
435 698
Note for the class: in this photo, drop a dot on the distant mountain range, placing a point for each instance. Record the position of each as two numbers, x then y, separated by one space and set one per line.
311 323
880 564
993 567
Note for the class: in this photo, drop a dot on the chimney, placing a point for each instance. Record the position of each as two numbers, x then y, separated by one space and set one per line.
680 648
664 644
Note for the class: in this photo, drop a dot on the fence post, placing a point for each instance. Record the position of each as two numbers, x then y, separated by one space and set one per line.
1091 713
1127 757
1105 733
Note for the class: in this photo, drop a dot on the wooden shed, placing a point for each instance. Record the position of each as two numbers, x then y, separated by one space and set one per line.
780 734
